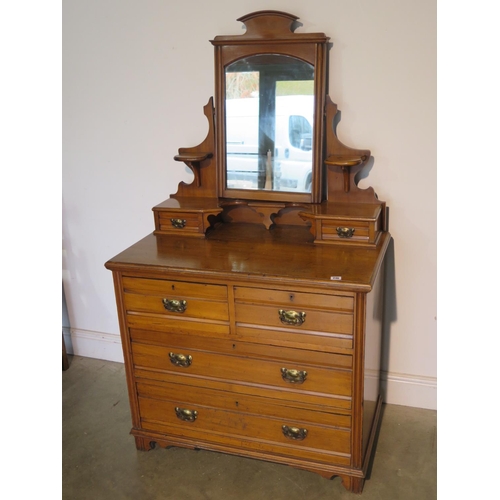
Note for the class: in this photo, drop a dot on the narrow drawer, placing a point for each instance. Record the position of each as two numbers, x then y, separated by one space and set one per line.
345 231
176 298
286 436
290 298
179 222
292 376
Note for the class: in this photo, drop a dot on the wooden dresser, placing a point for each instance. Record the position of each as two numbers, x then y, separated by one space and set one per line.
252 325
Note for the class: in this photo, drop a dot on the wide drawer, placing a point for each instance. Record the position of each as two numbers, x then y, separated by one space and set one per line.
175 299
290 375
284 436
182 392
194 340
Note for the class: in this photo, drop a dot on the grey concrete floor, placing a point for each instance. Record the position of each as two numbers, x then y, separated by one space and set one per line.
100 461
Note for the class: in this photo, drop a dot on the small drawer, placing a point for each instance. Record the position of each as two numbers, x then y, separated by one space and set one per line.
179 222
346 231
289 436
357 224
175 298
318 322
293 377
291 317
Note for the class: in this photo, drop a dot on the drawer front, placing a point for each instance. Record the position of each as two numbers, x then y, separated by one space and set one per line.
179 222
295 319
289 299
208 423
181 392
176 299
346 231
294 377
192 340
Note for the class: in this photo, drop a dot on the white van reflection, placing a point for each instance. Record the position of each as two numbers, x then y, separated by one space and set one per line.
289 166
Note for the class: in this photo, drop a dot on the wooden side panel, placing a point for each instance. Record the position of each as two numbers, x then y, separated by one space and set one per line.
373 345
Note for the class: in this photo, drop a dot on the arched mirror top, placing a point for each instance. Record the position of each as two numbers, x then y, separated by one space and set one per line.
270 97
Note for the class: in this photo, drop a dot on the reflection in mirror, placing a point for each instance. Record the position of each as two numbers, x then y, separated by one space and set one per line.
269 123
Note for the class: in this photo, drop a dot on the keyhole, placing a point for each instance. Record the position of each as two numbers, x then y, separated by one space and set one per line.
291 297
173 287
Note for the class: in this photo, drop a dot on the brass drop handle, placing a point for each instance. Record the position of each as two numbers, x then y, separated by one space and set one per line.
292 317
180 359
293 376
185 414
345 232
178 223
295 433
172 305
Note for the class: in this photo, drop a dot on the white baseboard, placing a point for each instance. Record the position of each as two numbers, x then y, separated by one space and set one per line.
409 390
94 345
397 388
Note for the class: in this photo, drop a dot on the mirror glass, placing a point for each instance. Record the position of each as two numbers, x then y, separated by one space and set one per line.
269 117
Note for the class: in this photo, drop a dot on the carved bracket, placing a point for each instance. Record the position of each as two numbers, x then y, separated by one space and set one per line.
343 164
201 160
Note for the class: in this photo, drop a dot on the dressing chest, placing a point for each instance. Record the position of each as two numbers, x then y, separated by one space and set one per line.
251 318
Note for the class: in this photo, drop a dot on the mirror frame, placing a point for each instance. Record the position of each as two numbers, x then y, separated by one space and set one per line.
271 32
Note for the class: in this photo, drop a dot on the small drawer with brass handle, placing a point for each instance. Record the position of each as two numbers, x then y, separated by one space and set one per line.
292 317
293 376
295 433
345 232
178 223
180 359
173 305
185 414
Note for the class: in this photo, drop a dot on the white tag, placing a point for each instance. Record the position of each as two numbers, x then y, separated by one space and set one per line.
336 278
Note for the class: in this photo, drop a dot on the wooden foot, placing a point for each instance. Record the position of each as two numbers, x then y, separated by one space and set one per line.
353 484
143 444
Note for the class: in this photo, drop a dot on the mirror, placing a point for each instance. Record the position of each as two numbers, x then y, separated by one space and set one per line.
270 86
269 116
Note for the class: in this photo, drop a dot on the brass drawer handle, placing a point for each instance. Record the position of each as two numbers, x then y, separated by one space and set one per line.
180 359
345 232
178 223
172 305
185 414
295 433
292 317
293 376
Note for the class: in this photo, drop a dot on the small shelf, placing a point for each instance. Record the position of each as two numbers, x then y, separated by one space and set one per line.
193 161
345 161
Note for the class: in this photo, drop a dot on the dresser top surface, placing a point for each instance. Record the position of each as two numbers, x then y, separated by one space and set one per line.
248 251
